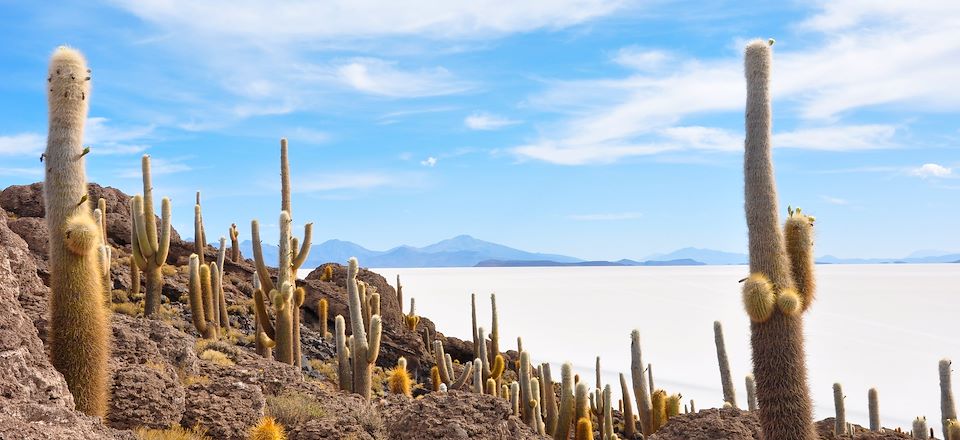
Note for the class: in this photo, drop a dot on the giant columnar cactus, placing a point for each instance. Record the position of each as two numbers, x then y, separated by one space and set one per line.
567 401
639 384
840 420
473 319
199 236
366 347
948 411
751 385
400 296
549 398
780 286
234 243
79 327
149 251
285 306
874 406
729 393
202 298
629 425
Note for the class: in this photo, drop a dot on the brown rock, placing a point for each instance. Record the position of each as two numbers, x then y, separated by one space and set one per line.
226 408
36 403
456 415
825 431
711 424
147 395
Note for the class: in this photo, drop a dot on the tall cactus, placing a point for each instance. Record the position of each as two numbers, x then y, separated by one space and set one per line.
567 401
774 296
643 396
948 410
840 420
149 251
549 398
234 243
526 390
103 250
292 257
79 327
874 406
366 347
629 424
494 330
222 300
729 392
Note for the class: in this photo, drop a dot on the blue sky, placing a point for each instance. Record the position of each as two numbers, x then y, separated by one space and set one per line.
595 128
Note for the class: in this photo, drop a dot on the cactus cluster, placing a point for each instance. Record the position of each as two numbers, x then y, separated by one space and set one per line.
284 295
357 355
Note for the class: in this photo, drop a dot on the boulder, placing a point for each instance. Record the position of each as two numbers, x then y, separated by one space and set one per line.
456 415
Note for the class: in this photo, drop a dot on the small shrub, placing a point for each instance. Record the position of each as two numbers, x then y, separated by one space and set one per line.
129 309
216 357
293 408
172 433
328 370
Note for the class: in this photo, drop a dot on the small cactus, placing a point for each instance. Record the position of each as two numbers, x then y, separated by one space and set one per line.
567 402
643 396
584 429
366 347
920 428
344 369
234 243
323 308
435 378
399 380
268 429
726 380
629 425
659 410
549 398
751 393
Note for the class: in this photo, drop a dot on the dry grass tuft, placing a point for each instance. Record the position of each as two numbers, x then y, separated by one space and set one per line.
172 433
293 408
216 357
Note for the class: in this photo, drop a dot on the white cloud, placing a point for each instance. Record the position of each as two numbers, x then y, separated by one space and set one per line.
429 162
308 21
838 138
929 170
607 216
22 144
379 77
865 55
343 181
487 121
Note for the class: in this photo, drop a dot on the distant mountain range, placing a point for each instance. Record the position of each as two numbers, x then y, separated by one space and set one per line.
466 251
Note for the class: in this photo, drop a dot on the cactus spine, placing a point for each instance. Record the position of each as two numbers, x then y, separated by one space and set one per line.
149 251
948 411
643 396
629 424
785 408
751 393
874 406
79 327
840 422
366 348
729 392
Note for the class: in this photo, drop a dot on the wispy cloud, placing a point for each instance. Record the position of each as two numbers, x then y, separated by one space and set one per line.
871 55
606 216
429 162
304 21
343 181
931 170
487 121
22 144
379 77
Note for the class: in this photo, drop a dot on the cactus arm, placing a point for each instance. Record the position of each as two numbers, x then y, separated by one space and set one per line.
260 308
284 268
798 233
376 328
163 247
485 363
344 374
146 249
304 252
150 221
464 375
137 256
266 284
